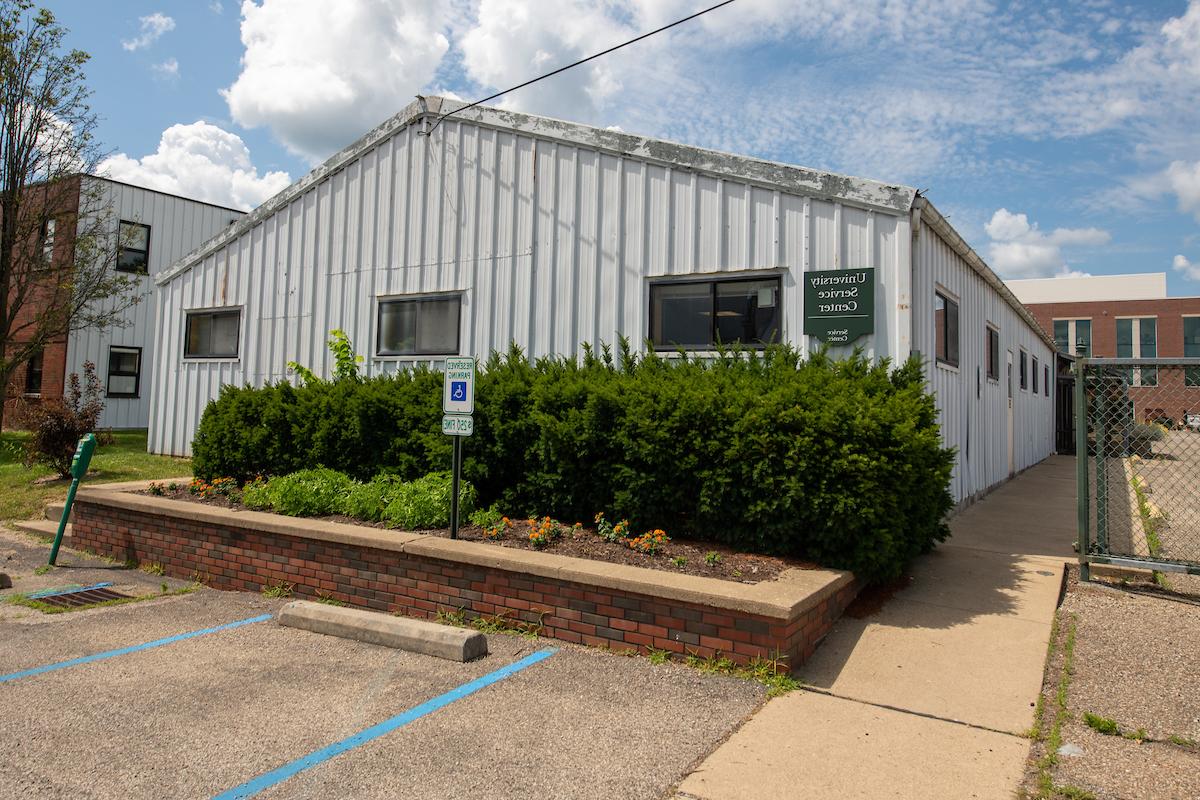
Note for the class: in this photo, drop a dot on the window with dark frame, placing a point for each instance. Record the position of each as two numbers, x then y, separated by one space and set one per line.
212 334
1046 379
945 325
1024 370
993 354
1034 370
700 314
133 247
419 326
124 371
33 374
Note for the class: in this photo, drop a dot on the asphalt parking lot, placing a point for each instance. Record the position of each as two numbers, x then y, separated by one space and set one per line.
252 709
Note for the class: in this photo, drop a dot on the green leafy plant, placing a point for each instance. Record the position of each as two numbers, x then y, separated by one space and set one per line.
543 532
425 502
157 488
277 589
498 530
307 493
486 517
712 558
43 569
369 500
1100 724
679 561
649 542
657 656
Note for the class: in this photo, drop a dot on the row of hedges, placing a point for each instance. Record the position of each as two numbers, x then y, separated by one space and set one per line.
839 462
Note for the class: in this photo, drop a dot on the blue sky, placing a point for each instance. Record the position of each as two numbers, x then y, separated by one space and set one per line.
1058 138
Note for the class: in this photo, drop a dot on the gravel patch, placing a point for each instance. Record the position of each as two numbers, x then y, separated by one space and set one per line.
1135 662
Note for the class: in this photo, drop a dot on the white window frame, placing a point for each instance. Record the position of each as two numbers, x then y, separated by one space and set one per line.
383 300
1136 332
1072 339
987 329
953 366
188 313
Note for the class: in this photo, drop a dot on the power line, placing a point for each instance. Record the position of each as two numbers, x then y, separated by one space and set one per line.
577 63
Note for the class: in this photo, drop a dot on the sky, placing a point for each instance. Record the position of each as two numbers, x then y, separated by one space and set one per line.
1059 139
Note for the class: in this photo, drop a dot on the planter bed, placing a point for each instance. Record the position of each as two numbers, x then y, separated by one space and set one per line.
582 543
573 599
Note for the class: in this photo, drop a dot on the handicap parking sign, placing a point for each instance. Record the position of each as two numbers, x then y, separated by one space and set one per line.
458 393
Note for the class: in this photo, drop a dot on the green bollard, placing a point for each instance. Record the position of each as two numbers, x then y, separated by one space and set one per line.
79 468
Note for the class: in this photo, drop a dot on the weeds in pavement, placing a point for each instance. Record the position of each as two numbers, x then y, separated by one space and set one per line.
43 569
328 599
152 568
278 589
1099 724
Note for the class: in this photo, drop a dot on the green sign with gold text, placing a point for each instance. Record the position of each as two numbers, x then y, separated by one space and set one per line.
839 304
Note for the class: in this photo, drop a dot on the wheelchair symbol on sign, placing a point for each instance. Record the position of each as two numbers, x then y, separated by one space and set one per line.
458 391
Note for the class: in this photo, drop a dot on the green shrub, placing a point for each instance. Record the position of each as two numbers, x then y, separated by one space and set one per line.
307 493
838 462
368 500
486 517
425 502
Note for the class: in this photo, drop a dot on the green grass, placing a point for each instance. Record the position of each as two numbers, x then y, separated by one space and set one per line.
1100 724
278 589
46 608
124 460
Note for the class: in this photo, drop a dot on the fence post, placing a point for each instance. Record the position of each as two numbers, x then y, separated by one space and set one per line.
1081 469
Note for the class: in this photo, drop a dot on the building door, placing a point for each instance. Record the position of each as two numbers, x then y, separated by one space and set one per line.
1011 460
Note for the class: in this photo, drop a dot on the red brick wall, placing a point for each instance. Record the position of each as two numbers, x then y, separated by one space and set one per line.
1171 397
64 199
384 580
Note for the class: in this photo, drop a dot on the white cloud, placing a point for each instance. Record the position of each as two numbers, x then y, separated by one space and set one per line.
320 74
1186 268
1020 250
167 69
216 7
152 27
200 161
1184 181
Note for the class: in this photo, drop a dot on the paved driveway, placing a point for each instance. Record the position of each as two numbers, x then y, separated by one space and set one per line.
249 708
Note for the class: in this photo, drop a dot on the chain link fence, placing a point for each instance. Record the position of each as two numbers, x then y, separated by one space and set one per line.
1138 450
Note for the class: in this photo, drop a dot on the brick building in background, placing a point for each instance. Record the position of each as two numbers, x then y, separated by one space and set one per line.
150 230
1125 316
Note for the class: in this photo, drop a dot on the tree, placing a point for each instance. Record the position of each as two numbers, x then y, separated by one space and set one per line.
57 238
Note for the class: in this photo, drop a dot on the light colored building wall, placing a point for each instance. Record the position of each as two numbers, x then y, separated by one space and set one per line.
1143 286
553 236
177 227
974 412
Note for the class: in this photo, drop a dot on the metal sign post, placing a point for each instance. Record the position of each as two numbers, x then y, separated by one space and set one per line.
79 468
458 403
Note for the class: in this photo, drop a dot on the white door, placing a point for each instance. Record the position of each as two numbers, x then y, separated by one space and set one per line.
1011 461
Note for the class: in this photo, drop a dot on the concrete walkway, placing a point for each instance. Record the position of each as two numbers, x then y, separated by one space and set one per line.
928 697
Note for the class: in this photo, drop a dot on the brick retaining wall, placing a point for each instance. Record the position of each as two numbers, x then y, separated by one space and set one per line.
376 569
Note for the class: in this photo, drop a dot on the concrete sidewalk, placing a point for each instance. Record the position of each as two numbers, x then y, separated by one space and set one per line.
928 697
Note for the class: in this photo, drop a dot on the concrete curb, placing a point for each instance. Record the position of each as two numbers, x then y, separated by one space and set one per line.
402 633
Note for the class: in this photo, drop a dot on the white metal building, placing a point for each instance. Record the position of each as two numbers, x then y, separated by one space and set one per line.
425 239
151 230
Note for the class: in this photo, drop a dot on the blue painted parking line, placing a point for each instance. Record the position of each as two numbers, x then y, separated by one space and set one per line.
12 676
281 774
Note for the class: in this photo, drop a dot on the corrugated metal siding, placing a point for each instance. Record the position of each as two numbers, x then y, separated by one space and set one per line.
976 422
551 243
177 227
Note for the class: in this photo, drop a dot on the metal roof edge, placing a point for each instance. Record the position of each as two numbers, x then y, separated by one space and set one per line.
942 227
891 198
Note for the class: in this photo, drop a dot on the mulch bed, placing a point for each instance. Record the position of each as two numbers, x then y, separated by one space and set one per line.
688 557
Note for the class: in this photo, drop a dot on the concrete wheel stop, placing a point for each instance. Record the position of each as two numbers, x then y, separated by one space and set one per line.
402 633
